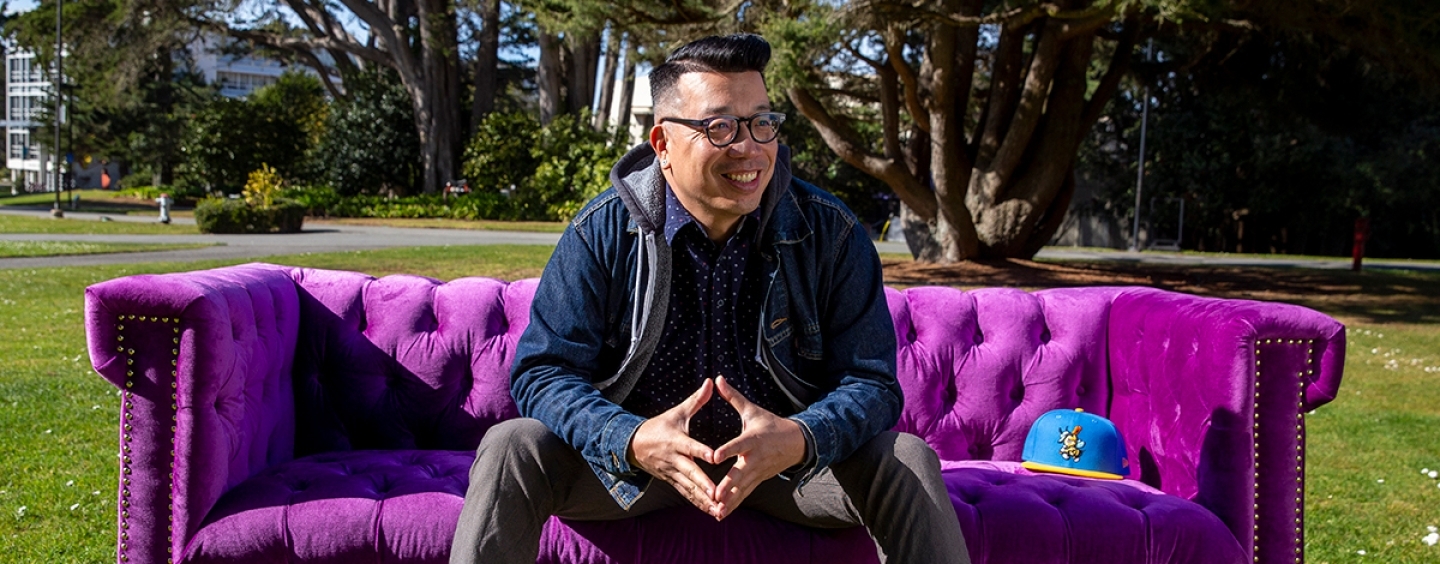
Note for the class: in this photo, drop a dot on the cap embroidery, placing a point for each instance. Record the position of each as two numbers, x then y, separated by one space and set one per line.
1071 447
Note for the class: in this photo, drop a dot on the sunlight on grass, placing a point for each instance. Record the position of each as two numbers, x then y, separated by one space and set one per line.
45 225
1367 450
14 249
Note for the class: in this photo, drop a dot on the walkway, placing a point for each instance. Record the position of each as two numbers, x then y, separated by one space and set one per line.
324 237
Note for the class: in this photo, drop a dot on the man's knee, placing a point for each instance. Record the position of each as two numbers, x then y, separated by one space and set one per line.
518 432
523 442
906 447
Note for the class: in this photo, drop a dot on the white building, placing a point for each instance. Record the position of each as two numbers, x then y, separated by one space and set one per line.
642 111
28 143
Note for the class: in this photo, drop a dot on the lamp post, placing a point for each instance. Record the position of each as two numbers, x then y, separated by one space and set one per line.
1140 172
59 66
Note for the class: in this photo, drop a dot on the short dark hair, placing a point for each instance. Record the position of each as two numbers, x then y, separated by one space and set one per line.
740 52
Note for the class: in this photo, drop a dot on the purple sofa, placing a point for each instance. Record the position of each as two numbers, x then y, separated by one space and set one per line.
278 414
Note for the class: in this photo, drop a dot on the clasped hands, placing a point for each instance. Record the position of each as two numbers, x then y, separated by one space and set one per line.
767 445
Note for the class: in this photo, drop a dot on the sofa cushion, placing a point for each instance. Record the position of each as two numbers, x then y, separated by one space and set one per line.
402 506
1010 514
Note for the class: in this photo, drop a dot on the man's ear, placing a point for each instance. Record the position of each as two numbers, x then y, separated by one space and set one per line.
658 143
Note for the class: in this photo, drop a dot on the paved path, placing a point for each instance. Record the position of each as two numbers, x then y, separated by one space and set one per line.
324 237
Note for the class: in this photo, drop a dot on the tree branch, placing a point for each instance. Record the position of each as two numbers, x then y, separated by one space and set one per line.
1032 105
305 44
1004 81
1110 82
892 172
894 49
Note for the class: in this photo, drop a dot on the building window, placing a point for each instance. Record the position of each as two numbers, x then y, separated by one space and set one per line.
24 69
242 82
23 108
19 140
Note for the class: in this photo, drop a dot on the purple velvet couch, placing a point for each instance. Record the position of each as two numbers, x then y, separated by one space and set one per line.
277 414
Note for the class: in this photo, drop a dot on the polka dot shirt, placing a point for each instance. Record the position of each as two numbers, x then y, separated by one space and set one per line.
711 328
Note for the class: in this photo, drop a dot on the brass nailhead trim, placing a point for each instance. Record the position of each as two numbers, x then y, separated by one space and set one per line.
128 415
1299 443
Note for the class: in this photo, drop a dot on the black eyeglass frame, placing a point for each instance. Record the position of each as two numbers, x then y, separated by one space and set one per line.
704 125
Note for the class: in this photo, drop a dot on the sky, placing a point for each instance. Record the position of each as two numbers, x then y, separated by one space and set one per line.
17 6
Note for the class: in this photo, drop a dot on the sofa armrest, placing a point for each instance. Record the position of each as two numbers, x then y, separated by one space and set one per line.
203 360
1210 396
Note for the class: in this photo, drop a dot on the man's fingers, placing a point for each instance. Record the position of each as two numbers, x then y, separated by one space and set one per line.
692 481
733 448
733 489
734 397
692 404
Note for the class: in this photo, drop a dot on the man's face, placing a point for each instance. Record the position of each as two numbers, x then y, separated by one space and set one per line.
717 185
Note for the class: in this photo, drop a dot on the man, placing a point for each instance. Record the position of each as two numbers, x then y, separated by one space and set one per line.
710 331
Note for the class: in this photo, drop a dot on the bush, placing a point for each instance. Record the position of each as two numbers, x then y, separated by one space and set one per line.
233 215
527 172
370 143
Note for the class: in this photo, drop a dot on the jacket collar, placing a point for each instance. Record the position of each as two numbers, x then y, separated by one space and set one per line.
641 186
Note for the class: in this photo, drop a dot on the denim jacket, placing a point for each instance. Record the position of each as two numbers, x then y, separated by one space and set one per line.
825 331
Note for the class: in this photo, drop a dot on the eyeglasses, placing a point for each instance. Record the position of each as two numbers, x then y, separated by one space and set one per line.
722 131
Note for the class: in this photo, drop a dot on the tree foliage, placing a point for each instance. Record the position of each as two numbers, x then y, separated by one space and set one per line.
1279 146
983 105
370 145
279 126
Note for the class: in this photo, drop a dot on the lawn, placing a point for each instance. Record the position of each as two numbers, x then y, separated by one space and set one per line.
70 226
96 201
1366 451
14 249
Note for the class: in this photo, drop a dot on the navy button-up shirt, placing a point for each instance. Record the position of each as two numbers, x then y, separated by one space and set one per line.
710 328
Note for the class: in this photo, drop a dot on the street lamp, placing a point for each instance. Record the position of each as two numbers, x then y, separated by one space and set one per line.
1140 172
59 66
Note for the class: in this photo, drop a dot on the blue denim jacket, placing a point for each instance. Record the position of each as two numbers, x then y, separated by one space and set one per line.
825 331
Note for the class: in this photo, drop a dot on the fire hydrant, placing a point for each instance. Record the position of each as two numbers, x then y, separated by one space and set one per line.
1362 234
164 201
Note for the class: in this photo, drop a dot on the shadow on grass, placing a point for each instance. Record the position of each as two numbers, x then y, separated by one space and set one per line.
1372 296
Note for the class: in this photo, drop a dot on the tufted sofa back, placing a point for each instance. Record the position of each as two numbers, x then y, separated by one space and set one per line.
410 362
979 367
403 362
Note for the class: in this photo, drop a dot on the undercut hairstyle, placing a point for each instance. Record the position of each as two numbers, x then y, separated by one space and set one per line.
730 53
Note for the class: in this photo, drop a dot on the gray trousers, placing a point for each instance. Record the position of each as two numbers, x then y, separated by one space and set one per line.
523 474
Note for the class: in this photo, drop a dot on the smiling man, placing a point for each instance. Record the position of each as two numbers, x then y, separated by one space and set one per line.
712 332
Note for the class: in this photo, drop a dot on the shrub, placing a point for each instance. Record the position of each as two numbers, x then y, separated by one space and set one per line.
522 171
233 215
262 186
370 143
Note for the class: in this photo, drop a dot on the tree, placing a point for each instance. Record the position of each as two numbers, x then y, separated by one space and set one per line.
983 105
418 39
127 72
1277 143
279 125
370 144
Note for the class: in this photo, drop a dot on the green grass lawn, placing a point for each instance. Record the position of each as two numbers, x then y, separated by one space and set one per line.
13 249
70 226
57 479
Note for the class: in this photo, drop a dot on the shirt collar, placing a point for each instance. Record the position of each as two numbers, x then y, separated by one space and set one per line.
676 217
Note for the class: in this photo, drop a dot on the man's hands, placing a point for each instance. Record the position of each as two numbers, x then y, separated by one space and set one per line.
767 445
662 446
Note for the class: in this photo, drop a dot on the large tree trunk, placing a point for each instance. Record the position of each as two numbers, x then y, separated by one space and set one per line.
627 92
549 75
607 80
584 50
487 64
437 95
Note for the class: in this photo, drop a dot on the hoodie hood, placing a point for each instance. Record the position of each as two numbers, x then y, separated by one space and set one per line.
640 184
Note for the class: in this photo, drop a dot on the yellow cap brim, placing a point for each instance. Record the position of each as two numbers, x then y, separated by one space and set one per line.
1036 466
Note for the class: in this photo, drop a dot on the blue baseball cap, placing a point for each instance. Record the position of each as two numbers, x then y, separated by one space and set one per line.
1076 443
